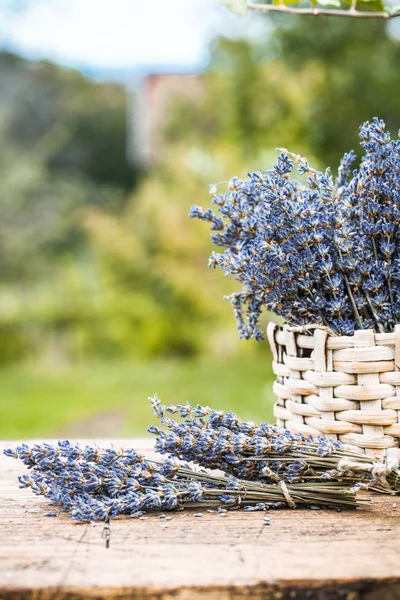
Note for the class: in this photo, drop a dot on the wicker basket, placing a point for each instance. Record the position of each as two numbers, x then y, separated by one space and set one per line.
345 388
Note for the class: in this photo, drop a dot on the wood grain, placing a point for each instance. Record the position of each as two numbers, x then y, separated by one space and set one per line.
310 554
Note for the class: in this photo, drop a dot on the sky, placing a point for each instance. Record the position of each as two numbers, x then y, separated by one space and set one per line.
117 35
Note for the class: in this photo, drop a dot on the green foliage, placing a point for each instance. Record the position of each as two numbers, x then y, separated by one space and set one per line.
39 211
75 124
237 6
381 8
157 293
357 64
307 89
261 104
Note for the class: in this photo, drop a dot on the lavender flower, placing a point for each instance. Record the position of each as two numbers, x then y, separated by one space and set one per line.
323 252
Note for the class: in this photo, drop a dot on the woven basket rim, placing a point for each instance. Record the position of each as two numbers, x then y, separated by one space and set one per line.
305 335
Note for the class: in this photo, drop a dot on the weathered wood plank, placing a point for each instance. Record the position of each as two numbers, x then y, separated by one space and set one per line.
302 554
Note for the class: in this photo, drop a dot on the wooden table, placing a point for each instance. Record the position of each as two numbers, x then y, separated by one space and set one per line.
310 554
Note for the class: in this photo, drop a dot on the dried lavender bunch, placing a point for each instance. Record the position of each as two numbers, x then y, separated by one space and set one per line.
91 483
325 252
219 440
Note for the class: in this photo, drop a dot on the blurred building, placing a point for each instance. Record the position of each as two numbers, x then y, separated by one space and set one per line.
150 101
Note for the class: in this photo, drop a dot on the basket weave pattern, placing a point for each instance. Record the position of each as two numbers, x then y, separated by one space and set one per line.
345 388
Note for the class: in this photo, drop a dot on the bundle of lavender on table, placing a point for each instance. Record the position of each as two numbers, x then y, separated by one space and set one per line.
218 440
92 483
263 467
323 253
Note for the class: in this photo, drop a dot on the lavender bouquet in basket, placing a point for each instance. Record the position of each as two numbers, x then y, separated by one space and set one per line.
323 252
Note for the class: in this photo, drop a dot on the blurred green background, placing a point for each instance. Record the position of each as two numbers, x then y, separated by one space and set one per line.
105 295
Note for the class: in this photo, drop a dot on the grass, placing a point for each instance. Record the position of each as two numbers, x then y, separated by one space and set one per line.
109 399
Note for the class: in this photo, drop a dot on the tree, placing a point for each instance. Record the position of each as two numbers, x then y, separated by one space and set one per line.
76 124
307 88
357 62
